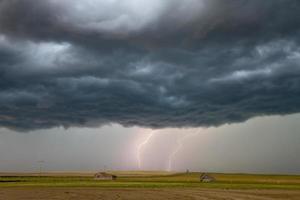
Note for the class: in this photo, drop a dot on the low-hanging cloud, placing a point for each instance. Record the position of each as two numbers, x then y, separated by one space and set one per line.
158 64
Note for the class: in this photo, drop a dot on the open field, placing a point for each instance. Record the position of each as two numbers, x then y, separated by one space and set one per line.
152 180
87 193
148 185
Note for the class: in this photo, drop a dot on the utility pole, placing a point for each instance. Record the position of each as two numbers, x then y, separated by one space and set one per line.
40 162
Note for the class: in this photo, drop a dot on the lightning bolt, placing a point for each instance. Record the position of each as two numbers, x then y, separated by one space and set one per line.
180 140
140 148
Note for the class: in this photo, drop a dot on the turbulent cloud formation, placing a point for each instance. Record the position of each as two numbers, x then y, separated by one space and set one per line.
172 63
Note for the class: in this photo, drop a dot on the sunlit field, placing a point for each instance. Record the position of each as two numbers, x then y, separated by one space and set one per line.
152 180
148 185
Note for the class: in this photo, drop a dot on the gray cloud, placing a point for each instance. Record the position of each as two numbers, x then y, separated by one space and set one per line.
173 64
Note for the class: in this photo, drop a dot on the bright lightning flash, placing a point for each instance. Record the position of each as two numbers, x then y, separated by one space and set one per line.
140 148
177 149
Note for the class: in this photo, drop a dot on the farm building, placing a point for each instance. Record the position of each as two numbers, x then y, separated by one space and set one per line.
104 176
205 178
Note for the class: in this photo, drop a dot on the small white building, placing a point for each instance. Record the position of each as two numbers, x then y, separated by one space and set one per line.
205 178
104 176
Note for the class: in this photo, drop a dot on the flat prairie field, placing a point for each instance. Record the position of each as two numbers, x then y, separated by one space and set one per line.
147 185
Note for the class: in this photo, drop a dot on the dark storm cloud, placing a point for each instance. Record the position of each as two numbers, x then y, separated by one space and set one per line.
162 64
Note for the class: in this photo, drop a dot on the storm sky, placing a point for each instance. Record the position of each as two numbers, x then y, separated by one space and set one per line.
129 66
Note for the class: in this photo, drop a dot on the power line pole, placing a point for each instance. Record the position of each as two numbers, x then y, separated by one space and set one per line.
40 162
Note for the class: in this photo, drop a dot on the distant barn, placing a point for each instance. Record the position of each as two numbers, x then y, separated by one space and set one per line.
205 178
104 176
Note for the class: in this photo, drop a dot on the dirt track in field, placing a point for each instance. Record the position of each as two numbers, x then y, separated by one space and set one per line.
138 194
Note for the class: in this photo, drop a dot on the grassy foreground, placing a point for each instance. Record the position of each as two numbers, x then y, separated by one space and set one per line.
152 180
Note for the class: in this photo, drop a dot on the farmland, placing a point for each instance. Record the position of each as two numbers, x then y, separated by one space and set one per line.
151 183
152 180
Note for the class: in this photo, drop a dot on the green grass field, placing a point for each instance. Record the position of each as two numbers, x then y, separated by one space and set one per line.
153 180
